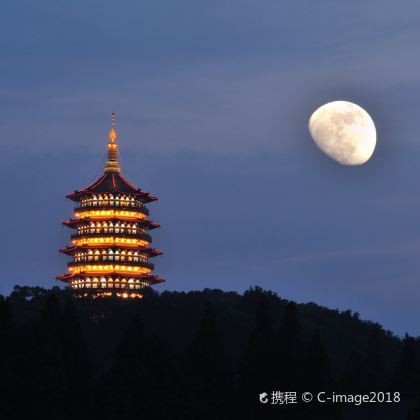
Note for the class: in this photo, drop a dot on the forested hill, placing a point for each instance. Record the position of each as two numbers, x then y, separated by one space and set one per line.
190 354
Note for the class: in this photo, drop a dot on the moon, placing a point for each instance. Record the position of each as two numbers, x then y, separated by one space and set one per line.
344 131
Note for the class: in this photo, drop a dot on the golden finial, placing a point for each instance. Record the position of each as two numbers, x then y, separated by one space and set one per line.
112 163
112 132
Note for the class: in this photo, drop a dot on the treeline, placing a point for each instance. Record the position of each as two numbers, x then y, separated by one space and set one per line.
196 355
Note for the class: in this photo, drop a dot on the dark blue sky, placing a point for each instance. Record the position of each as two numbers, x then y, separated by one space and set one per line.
212 101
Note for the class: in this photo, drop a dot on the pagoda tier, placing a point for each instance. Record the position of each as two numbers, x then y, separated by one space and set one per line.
112 285
70 250
149 278
92 222
105 253
110 246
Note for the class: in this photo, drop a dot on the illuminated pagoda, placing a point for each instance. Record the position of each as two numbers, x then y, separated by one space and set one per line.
111 245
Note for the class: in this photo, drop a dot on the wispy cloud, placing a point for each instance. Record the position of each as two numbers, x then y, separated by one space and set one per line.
397 249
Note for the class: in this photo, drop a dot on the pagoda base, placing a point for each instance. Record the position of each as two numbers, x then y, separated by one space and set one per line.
103 294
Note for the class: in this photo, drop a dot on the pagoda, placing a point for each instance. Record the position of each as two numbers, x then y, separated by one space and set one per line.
110 247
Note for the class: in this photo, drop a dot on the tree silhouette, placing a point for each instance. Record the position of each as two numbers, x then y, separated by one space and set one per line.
75 364
209 383
317 377
141 381
374 365
407 374
63 358
7 348
290 351
257 373
317 366
354 380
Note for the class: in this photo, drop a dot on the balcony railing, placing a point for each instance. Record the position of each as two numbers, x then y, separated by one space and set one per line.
135 207
92 259
94 232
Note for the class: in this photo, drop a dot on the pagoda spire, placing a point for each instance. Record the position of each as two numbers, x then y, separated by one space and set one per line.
112 164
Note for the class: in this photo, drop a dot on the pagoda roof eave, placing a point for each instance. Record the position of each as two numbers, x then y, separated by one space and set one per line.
111 182
155 279
151 225
70 249
65 277
77 194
